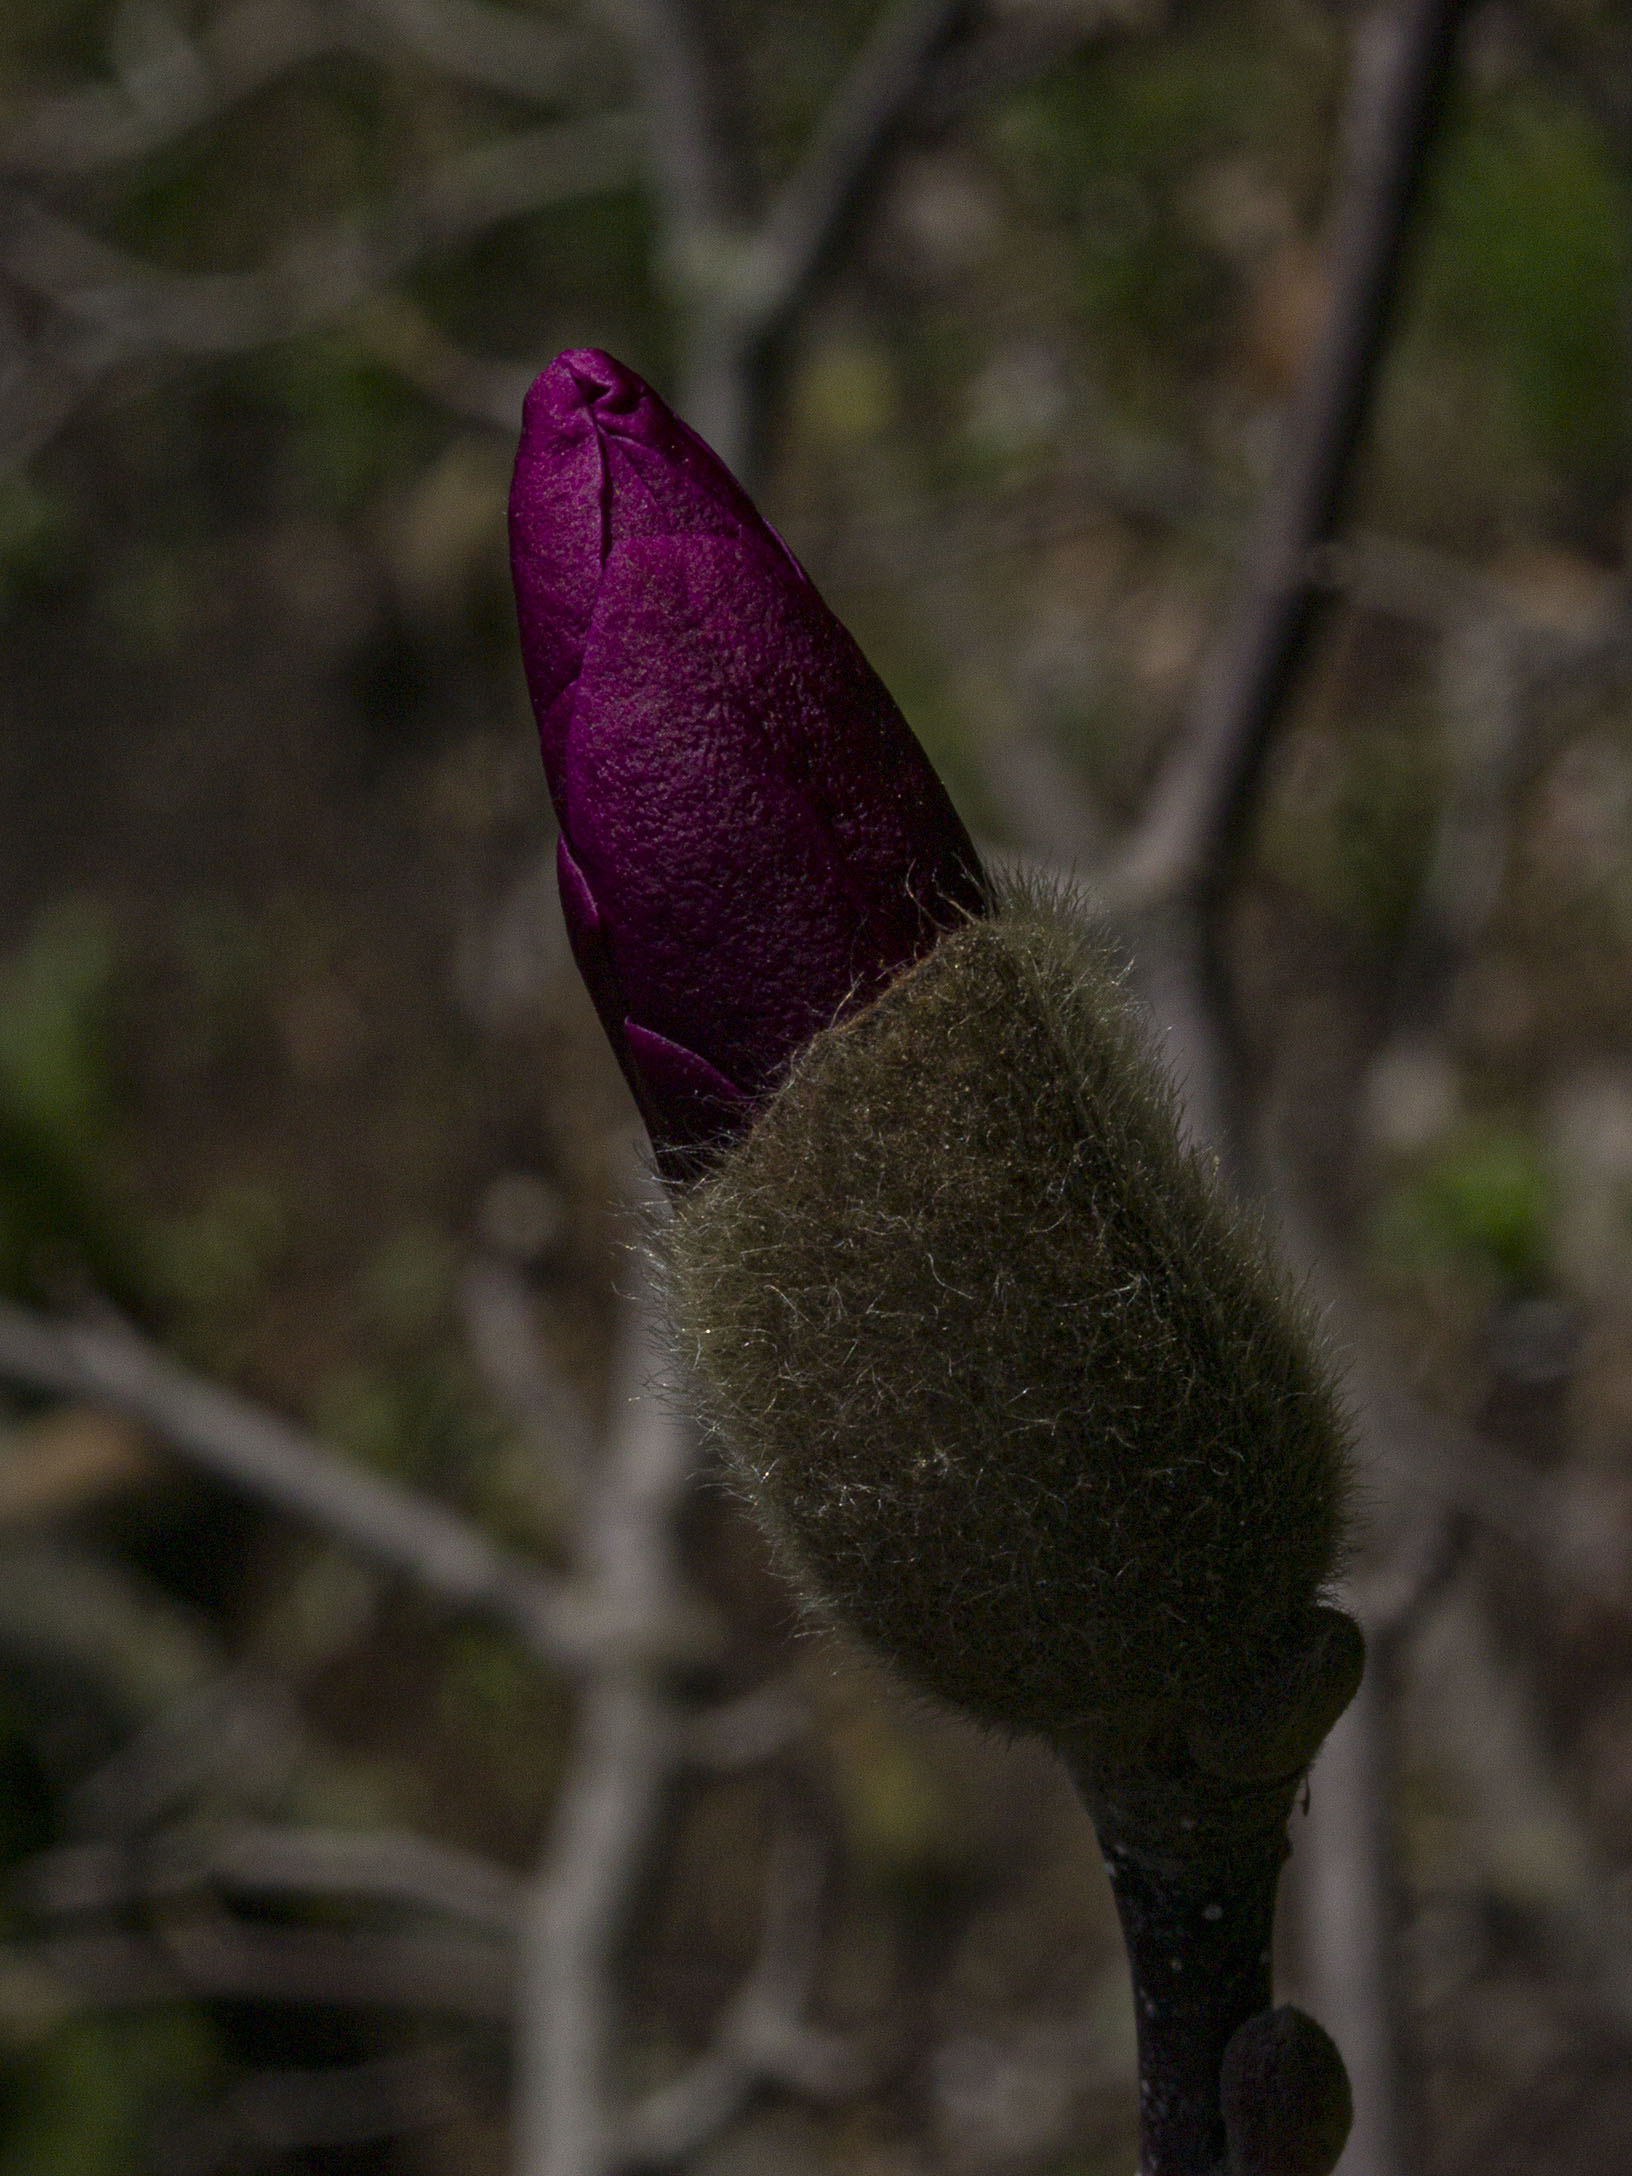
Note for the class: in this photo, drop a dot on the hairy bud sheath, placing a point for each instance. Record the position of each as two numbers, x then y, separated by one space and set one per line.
1021 1397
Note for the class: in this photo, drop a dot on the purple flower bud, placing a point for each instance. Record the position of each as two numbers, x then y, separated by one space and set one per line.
752 842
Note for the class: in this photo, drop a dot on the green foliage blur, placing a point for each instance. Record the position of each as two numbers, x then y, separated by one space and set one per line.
92 2098
58 1216
270 782
1478 1207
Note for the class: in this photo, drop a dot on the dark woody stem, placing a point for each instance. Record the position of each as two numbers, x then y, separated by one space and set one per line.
1195 1893
1198 1949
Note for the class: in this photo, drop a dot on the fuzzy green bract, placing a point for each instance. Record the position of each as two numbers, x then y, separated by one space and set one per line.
1021 1397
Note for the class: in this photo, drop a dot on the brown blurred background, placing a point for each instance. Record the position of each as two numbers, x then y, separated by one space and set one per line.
305 1866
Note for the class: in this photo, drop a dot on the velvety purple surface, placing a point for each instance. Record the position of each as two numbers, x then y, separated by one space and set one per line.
751 839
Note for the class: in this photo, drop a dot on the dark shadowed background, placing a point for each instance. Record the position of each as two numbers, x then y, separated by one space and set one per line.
1002 308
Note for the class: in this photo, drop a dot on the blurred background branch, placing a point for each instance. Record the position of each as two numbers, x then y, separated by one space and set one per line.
1015 312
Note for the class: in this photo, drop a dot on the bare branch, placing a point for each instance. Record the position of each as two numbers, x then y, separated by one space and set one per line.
244 49
434 1975
1346 1871
763 2037
504 1343
1440 1465
111 309
1152 483
1351 1912
497 49
1533 1850
127 309
39 391
1493 681
876 97
229 1736
1009 2098
911 74
234 1441
376 1867
469 386
1393 1600
1191 833
743 1732
693 186
59 1602
740 286
1016 50
627 1741
1506 692
1183 856
278 2111
195 1722
254 43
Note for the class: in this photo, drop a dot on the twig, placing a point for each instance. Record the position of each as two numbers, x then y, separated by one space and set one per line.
496 48
1184 853
243 50
869 107
1345 1872
232 1440
255 43
110 309
914 73
473 387
1439 1463
279 2111
741 1733
1001 55
255 1859
763 2037
1533 1850
126 308
241 1740
694 185
1154 483
1189 839
739 285
226 1961
1005 2099
145 1654
504 1344
1485 714
1350 1910
626 1745
1393 1601
1507 697
156 1670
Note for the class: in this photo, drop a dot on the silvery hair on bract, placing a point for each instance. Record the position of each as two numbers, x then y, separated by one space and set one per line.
1020 1394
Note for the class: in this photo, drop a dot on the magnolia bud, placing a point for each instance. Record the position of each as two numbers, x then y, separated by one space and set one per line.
1020 1393
751 839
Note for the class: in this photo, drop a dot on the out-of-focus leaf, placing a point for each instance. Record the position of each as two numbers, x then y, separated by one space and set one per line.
89 2100
1527 268
1480 1205
59 1216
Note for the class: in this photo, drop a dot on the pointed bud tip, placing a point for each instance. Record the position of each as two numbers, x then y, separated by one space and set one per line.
751 839
580 379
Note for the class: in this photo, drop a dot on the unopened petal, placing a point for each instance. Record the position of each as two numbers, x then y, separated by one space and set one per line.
765 839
